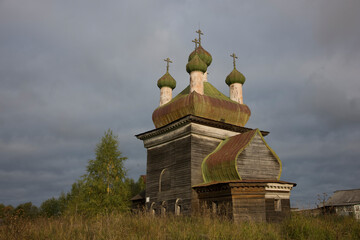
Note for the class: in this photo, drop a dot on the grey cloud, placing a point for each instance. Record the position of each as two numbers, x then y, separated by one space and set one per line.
329 102
71 70
337 28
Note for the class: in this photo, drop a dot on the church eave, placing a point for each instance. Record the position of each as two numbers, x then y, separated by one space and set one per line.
202 106
261 182
194 119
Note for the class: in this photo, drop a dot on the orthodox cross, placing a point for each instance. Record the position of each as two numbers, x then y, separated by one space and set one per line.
196 43
167 60
200 33
233 56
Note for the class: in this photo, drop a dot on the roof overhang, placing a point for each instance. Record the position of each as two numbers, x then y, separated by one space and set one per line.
194 119
265 181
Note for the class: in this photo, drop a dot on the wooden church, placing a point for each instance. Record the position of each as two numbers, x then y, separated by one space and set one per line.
201 156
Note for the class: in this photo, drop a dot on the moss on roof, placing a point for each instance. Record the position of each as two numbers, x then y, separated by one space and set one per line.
196 64
235 77
209 90
203 54
221 164
166 81
212 105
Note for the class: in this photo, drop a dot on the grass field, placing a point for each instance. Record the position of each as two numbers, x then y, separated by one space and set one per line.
140 226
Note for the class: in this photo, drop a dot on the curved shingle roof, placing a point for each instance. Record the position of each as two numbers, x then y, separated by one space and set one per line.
222 165
212 105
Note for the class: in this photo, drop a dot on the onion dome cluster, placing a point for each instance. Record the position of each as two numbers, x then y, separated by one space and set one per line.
208 102
196 64
166 81
203 54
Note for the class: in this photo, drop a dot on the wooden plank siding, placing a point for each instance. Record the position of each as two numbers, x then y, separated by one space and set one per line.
200 148
175 157
176 152
257 161
179 155
249 201
277 216
249 209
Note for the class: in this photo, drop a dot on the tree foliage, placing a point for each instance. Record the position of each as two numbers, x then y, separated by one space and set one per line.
54 207
136 187
26 210
5 210
103 188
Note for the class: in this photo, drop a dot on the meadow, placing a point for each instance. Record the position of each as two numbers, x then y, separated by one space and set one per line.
143 226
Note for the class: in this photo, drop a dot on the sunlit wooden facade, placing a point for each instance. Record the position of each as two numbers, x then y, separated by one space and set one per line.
201 157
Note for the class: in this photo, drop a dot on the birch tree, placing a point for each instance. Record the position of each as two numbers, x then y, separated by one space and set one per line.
103 188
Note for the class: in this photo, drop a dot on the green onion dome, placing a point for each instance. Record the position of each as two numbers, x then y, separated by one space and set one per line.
196 64
166 81
235 77
203 54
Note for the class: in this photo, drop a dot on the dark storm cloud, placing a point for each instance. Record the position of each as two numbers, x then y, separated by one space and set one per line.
71 70
337 29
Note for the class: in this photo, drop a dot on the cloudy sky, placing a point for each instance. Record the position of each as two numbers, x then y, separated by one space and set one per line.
69 70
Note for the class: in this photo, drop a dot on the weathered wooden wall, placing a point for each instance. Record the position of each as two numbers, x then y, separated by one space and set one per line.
257 161
175 158
240 203
176 154
276 216
180 162
217 200
249 203
249 200
201 146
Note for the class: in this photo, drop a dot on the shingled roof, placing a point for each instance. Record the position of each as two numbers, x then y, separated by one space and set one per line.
139 196
344 197
211 105
224 163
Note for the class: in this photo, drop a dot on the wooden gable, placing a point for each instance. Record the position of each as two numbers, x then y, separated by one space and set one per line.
243 156
258 160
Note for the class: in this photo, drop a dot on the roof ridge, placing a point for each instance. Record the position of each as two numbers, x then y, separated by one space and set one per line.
347 190
209 90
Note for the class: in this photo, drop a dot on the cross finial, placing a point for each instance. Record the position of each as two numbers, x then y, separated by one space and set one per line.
196 43
167 60
233 56
200 33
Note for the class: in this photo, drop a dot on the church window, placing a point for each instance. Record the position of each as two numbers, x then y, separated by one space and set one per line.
164 180
277 205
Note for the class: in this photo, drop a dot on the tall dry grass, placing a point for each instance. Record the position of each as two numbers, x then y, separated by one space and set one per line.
143 226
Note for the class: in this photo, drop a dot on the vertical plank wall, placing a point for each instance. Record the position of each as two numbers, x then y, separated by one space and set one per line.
174 156
257 161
